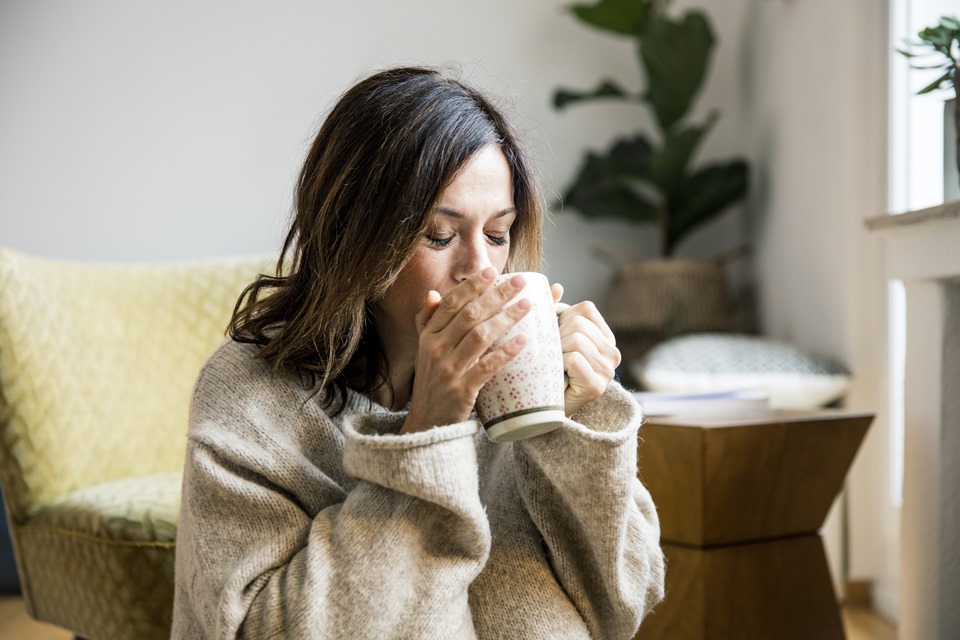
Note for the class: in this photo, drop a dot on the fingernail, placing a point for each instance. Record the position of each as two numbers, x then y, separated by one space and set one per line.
518 281
488 273
524 304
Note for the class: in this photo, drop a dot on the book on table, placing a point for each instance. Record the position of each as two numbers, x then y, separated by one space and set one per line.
733 403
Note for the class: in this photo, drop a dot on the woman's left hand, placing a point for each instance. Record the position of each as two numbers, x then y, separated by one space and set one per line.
590 354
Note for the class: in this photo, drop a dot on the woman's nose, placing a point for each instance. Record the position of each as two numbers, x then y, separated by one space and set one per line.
473 257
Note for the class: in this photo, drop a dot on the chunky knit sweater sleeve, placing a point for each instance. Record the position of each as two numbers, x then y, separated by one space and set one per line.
599 524
294 528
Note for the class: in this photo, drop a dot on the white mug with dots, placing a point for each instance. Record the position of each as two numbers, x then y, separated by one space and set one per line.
525 398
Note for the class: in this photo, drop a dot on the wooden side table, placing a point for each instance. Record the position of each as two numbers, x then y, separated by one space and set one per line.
741 504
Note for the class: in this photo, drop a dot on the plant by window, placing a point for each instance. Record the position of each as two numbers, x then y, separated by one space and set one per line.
943 42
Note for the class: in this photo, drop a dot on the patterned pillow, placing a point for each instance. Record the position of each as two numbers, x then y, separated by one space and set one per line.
705 362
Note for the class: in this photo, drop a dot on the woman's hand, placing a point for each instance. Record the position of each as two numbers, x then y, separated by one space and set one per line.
455 333
590 354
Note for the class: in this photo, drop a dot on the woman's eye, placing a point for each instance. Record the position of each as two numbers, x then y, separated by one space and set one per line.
497 240
440 242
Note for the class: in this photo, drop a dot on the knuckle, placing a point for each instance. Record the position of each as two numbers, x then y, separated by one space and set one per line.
505 291
481 334
516 311
434 350
579 324
573 364
584 308
447 304
471 313
489 365
580 342
597 387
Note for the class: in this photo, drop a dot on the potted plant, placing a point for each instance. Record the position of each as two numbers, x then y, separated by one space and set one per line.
653 179
942 43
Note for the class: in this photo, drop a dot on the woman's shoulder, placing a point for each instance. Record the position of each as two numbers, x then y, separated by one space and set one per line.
240 393
236 375
235 362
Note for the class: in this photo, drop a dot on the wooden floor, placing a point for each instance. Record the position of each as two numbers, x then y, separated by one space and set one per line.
858 622
861 623
15 624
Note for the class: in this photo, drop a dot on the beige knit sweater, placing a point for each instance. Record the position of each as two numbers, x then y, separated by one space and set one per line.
297 525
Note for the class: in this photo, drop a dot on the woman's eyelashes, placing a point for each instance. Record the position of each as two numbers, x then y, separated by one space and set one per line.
440 241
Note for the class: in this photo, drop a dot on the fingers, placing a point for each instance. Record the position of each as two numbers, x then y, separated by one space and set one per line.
491 363
588 311
482 335
454 302
590 354
556 290
579 333
585 382
458 329
429 307
602 358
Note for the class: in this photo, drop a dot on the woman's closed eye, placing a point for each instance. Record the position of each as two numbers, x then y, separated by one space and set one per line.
441 242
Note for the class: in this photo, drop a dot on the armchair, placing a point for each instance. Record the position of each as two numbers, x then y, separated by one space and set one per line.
97 366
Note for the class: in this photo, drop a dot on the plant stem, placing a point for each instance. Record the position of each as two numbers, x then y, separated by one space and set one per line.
664 223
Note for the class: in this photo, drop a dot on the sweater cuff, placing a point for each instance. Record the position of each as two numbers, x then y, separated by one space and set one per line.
438 464
612 419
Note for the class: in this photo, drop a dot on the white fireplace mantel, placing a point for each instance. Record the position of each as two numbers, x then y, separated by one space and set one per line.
922 249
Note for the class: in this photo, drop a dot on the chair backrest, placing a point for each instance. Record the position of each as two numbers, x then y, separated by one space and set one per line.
97 366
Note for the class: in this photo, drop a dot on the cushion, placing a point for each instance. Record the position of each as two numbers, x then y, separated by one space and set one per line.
117 539
793 378
142 509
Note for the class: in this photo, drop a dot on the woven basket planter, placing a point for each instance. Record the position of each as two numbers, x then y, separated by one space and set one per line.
652 300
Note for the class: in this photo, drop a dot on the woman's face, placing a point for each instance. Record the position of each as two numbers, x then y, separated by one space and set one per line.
469 230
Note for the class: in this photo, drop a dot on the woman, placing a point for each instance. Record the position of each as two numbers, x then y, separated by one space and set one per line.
337 484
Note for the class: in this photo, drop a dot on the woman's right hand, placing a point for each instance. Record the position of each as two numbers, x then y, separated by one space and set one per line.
455 333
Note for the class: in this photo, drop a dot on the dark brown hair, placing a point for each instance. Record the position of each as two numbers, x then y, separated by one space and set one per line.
379 163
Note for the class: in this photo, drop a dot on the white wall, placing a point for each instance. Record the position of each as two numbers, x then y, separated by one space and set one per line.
155 131
818 123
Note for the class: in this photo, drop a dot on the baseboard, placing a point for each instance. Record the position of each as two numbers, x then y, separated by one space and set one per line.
858 593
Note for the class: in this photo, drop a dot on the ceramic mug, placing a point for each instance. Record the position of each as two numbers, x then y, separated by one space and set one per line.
525 398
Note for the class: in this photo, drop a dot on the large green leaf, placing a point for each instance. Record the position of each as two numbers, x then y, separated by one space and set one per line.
668 164
706 194
625 17
676 55
606 89
608 186
939 37
631 156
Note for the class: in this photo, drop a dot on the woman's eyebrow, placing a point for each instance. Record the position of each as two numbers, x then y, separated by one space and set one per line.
453 213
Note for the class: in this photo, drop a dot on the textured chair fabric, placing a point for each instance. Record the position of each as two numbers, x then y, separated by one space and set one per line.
97 366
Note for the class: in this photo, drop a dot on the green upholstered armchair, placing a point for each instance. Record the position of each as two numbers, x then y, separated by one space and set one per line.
97 366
